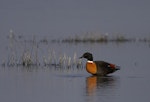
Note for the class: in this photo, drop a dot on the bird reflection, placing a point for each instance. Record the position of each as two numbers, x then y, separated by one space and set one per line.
95 83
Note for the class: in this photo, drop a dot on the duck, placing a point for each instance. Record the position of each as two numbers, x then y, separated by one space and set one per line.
100 68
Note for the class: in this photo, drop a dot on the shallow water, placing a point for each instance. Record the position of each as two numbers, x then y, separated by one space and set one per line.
45 83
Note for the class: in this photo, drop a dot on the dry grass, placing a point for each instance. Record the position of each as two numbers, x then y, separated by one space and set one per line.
28 53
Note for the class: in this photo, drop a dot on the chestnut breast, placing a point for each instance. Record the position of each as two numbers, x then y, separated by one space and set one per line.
91 67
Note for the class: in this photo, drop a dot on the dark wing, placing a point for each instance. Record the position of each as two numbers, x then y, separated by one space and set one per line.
104 67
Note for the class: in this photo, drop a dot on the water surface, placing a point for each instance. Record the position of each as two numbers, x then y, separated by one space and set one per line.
46 83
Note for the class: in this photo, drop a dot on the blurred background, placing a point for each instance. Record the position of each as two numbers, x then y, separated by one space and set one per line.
41 42
67 17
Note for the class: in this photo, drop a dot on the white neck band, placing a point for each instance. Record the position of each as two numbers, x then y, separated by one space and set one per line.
90 61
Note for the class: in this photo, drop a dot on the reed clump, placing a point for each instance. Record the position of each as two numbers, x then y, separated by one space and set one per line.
27 59
26 53
91 37
97 39
62 61
22 52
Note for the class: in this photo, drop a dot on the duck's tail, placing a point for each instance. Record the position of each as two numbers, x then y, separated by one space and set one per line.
117 67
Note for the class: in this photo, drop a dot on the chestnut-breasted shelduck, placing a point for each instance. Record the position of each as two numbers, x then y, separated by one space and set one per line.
100 68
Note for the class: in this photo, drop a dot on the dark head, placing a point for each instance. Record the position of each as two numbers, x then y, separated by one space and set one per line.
88 56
